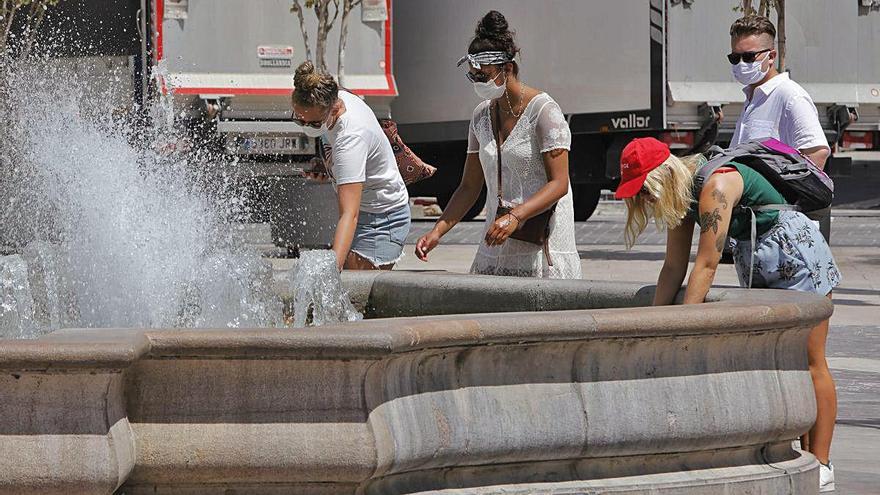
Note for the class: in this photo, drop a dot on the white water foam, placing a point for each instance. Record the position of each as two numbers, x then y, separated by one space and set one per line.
318 295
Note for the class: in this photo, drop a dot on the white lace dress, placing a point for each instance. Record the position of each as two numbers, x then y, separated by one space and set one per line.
541 128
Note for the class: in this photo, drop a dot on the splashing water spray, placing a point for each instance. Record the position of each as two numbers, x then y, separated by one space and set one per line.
105 225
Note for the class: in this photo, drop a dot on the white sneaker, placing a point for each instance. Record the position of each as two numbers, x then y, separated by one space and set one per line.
826 478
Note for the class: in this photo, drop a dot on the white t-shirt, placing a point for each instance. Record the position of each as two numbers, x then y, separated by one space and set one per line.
781 109
362 153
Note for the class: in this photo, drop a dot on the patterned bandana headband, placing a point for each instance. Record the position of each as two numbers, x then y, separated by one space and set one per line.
476 60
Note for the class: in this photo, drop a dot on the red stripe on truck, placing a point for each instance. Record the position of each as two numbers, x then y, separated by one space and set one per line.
159 12
392 89
267 91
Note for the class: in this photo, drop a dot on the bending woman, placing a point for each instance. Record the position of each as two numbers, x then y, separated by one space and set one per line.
535 140
789 251
374 217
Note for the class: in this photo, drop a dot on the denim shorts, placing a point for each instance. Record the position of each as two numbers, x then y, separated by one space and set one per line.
791 255
379 237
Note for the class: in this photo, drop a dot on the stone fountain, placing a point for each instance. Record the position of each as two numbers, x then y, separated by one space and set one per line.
581 390
153 368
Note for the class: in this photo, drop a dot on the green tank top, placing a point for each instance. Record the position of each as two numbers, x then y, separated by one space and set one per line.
757 191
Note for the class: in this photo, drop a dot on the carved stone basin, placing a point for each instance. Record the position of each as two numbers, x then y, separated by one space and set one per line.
513 386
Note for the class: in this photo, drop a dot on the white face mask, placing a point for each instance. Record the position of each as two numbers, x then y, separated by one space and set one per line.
488 90
749 73
314 133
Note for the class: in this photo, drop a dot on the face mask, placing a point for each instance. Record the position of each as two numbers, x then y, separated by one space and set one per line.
748 73
488 90
313 133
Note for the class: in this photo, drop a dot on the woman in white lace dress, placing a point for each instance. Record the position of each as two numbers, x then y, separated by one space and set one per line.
534 151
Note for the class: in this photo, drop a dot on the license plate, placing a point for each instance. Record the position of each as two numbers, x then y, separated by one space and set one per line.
270 145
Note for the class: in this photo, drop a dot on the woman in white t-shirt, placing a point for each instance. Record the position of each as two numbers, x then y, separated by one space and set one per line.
374 215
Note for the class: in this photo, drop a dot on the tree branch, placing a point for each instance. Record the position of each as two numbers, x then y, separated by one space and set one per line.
335 15
348 6
297 7
780 31
36 22
4 41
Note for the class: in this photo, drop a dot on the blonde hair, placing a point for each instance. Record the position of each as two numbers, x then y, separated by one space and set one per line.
313 88
671 186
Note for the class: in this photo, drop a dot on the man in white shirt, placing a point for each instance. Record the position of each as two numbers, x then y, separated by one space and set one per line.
775 105
778 107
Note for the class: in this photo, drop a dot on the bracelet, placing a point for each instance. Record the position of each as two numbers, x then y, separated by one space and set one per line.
518 220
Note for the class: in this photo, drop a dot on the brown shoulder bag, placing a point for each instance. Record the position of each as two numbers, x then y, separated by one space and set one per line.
535 230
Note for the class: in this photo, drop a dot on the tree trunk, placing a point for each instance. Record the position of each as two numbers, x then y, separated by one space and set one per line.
297 8
348 6
321 12
325 24
780 32
747 7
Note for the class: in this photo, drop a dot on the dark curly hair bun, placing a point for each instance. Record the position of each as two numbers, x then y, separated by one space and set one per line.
493 34
493 25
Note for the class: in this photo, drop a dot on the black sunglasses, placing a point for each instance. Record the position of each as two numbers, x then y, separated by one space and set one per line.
747 57
479 77
314 124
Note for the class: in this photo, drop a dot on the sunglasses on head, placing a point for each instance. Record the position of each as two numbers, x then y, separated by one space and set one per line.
747 57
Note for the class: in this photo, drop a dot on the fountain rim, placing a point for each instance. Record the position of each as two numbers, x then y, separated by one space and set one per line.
729 310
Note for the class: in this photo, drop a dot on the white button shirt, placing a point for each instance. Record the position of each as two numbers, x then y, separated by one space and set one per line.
781 109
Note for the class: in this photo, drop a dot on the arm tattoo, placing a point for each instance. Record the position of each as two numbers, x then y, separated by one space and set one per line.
720 197
721 241
709 221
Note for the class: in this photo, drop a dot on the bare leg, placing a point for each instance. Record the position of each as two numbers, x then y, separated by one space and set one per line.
818 440
355 261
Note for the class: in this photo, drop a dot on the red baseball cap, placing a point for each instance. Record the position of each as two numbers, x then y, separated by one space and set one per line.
639 158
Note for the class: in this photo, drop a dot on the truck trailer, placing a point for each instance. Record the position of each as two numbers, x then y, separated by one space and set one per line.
618 68
627 68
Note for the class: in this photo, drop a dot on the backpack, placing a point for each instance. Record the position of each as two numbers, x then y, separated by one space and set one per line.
804 185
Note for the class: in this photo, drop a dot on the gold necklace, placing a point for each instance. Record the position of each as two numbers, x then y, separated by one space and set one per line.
510 107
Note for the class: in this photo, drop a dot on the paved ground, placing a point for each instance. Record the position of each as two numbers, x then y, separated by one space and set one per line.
606 227
854 342
856 187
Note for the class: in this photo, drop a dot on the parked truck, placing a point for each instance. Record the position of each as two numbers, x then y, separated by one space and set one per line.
628 68
619 69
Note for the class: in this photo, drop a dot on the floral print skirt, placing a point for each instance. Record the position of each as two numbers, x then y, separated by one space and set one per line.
791 255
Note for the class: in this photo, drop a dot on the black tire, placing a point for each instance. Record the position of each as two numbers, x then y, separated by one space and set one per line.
443 200
586 199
